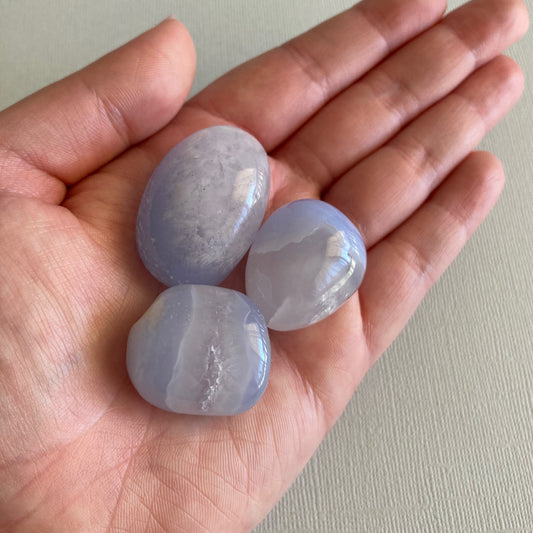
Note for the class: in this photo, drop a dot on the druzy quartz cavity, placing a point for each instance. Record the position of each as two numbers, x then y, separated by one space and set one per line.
306 261
203 206
200 350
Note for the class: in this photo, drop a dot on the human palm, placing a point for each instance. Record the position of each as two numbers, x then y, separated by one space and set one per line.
348 112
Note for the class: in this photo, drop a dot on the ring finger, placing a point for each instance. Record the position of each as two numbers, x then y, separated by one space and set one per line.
388 186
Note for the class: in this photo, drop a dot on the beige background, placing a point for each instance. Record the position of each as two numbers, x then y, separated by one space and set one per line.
439 437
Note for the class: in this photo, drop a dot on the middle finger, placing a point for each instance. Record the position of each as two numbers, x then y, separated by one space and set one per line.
372 111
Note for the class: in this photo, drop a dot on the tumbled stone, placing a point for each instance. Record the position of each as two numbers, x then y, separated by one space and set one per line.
306 261
202 206
200 350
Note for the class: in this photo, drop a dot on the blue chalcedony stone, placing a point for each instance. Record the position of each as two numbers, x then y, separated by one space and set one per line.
200 350
306 261
202 206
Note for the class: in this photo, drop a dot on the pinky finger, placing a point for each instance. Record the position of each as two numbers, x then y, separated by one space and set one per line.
405 264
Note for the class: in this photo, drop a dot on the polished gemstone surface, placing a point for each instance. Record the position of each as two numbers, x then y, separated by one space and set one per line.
202 206
306 261
200 350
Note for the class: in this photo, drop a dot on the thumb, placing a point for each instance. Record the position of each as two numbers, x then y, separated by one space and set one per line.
57 136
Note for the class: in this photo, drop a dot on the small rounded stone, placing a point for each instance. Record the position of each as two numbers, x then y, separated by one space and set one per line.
306 261
202 206
200 350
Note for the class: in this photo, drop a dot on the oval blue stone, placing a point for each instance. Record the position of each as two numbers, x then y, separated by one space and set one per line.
202 206
306 261
200 350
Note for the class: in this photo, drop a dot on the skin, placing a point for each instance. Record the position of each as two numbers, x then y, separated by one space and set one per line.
377 111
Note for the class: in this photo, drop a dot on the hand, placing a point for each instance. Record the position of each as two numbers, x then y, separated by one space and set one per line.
377 111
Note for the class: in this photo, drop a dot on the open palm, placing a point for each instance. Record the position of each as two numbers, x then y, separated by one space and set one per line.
377 111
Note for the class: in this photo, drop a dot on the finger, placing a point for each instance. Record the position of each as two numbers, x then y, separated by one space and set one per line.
274 94
369 113
402 268
388 186
67 130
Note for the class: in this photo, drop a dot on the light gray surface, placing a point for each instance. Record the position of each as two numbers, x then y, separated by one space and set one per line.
439 436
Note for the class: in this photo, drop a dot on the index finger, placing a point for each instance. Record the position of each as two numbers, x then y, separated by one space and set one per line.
272 95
